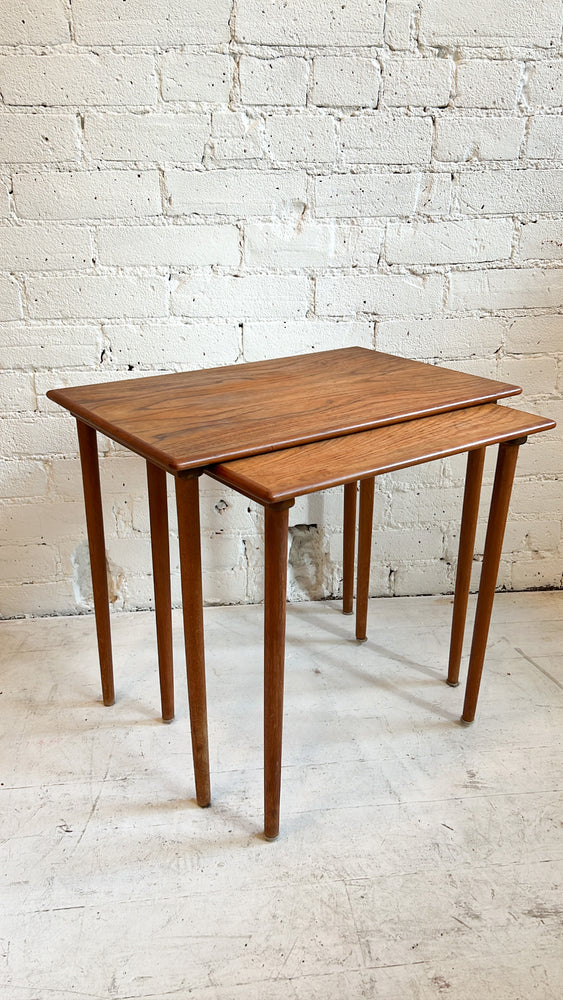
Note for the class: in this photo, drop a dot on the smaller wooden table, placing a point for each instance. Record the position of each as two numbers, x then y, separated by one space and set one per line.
276 479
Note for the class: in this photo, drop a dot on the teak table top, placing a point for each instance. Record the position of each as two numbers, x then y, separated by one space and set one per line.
277 476
192 419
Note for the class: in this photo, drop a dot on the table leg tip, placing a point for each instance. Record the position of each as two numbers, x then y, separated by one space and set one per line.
108 702
270 840
452 684
361 638
168 719
347 612
466 722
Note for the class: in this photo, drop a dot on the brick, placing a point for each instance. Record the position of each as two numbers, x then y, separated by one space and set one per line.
27 563
510 288
236 137
22 478
311 244
119 475
349 196
545 138
463 241
400 23
543 456
488 83
535 335
482 367
10 299
38 138
263 339
543 572
195 76
463 137
236 192
506 21
31 347
80 78
96 194
302 136
539 497
29 22
280 81
421 577
44 248
504 192
35 523
345 81
299 244
43 435
440 337
37 599
541 239
393 545
385 137
96 295
173 345
545 86
142 22
417 82
427 506
381 294
168 245
358 22
16 392
536 375
146 137
253 296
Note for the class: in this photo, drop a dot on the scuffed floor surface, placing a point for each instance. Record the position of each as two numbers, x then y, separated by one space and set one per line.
417 859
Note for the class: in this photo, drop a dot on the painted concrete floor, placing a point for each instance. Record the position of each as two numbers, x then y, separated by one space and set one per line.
418 858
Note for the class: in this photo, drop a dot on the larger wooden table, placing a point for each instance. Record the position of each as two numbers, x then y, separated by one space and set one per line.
184 423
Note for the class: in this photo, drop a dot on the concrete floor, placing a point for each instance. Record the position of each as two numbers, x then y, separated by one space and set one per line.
417 859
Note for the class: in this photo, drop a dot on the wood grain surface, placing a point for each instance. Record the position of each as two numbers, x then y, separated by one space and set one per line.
191 419
270 478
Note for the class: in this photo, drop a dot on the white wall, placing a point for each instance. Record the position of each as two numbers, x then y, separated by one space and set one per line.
185 185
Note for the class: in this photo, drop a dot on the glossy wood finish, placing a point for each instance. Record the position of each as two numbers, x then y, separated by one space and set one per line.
364 553
275 597
192 419
349 547
88 445
469 515
187 502
158 512
277 476
502 488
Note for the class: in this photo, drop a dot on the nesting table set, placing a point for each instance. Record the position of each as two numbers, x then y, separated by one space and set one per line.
273 431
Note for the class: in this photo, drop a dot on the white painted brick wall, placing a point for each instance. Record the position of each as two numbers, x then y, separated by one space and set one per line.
187 185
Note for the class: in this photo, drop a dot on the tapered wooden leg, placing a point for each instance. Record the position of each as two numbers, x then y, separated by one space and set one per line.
88 445
504 476
470 512
158 511
187 501
364 556
350 491
275 596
